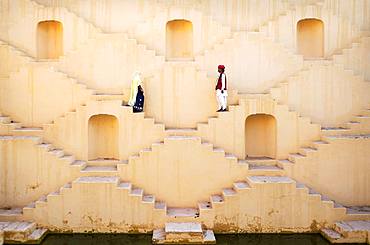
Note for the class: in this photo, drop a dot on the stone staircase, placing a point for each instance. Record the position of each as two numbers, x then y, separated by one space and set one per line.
314 148
85 30
153 26
285 62
21 232
261 171
286 92
222 130
348 232
204 213
274 27
282 85
159 11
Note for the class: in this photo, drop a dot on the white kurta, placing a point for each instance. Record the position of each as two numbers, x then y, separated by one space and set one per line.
222 97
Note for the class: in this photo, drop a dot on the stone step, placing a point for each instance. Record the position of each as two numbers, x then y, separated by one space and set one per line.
79 163
284 163
13 214
346 137
183 232
182 212
104 162
305 151
295 156
230 156
125 186
137 192
241 186
267 170
228 192
183 228
37 236
359 210
182 138
103 96
353 231
28 131
334 130
158 205
260 161
319 143
57 152
258 180
348 232
99 171
17 231
181 131
148 199
46 146
331 235
97 179
5 119
217 199
204 206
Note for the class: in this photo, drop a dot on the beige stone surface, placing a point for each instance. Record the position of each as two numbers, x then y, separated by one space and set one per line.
290 151
182 170
70 208
331 168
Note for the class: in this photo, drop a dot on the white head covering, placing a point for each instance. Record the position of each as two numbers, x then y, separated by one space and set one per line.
136 81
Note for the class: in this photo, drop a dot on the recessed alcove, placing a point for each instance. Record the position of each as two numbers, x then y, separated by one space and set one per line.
103 137
260 136
310 38
49 39
179 40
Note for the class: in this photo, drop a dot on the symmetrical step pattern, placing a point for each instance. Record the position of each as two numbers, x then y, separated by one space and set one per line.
147 207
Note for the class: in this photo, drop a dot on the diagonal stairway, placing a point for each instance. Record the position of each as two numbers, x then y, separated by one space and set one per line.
203 213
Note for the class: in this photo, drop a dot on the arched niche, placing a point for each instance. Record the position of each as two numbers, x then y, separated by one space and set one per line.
103 137
260 136
49 39
310 38
179 40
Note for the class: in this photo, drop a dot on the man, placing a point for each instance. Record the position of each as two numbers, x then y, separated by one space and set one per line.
221 89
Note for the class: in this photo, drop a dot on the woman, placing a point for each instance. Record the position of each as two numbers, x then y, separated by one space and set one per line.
137 93
139 104
136 82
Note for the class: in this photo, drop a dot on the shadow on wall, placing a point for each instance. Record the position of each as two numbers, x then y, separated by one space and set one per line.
260 136
310 38
103 137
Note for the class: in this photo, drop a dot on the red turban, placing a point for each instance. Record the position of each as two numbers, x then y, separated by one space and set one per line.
221 67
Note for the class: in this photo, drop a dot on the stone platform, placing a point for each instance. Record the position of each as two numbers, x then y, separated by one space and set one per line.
183 233
21 232
348 232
